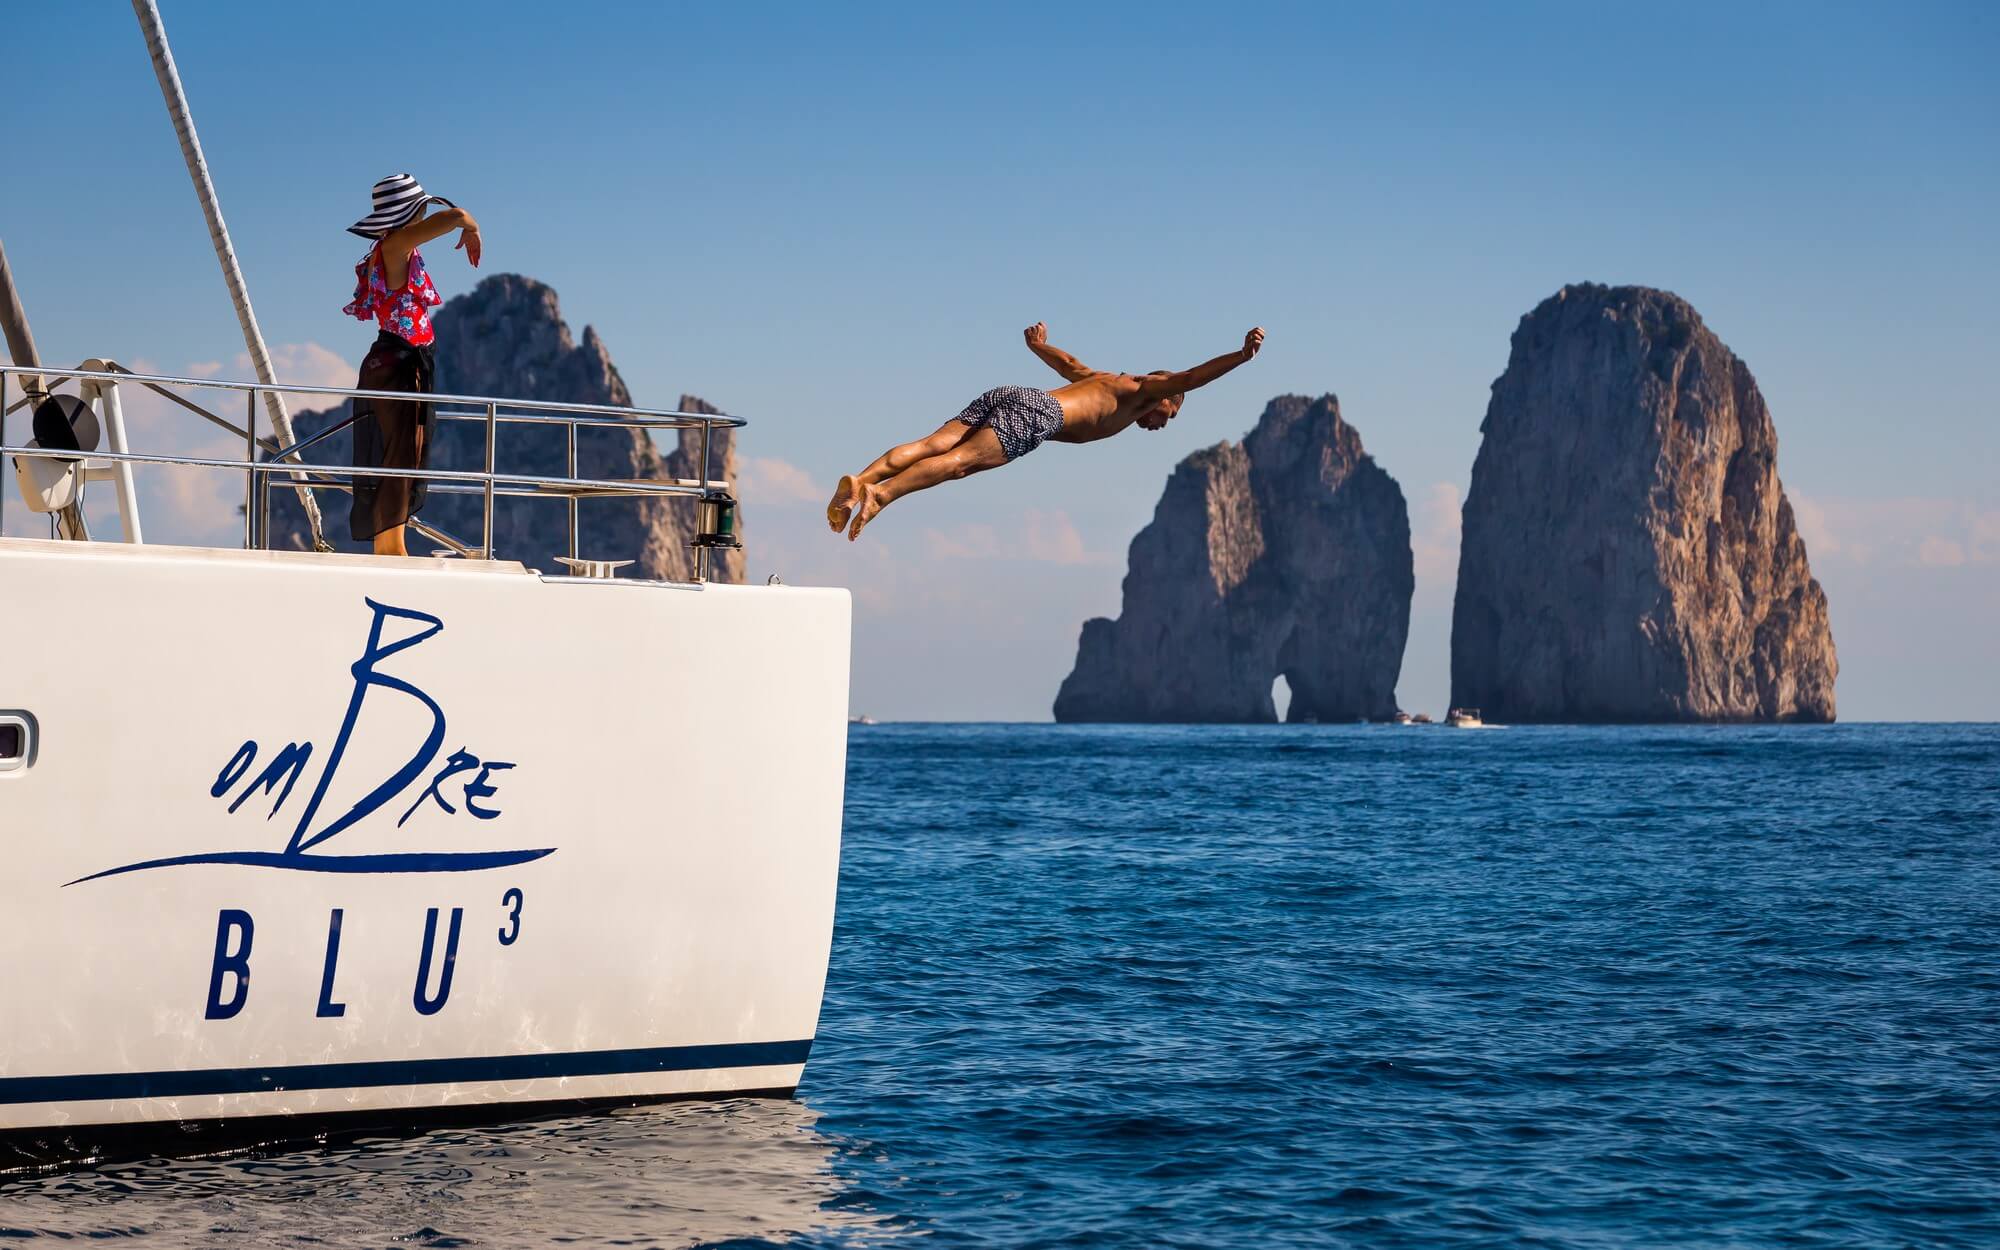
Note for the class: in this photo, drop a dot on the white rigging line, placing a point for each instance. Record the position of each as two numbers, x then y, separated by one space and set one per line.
148 14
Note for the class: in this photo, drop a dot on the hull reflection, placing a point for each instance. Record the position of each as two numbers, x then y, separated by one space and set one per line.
682 1174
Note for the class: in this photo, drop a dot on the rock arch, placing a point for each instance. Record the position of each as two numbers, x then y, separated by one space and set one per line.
1287 554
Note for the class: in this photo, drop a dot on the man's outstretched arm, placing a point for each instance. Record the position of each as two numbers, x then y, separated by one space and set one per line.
1072 369
1203 374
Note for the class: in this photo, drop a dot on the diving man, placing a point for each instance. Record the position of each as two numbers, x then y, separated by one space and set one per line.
1008 422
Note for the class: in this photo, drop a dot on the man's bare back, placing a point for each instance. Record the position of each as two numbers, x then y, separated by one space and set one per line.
1103 404
1008 422
1097 404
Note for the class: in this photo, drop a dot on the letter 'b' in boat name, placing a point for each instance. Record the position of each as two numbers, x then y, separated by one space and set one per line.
473 781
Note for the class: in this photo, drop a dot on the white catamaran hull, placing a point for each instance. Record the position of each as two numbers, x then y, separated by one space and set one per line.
317 835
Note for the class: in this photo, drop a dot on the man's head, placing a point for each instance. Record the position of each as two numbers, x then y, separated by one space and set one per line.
1162 410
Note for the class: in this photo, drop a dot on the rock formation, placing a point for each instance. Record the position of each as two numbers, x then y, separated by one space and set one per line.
507 338
1287 553
1628 553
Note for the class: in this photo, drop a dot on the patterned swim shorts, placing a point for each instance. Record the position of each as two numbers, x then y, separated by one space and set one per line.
1020 416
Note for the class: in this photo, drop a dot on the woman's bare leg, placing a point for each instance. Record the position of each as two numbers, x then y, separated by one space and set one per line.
848 491
390 543
977 452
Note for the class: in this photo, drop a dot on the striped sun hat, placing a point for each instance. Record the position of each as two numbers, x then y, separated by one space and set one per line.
398 199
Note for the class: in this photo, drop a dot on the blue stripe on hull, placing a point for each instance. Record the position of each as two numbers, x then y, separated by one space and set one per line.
195 1083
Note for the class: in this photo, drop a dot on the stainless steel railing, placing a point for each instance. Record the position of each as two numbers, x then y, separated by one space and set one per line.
488 483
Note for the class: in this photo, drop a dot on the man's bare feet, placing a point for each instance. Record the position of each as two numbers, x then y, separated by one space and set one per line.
845 495
871 503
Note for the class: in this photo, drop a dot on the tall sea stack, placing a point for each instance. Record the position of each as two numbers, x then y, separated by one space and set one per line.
507 337
1628 553
1287 553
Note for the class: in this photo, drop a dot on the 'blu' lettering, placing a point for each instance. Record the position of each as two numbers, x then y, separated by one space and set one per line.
226 962
327 1007
427 1006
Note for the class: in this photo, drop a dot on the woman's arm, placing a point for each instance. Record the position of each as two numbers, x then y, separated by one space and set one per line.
1054 357
1202 374
399 243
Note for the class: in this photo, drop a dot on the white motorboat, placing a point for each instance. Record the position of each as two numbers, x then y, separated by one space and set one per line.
1464 718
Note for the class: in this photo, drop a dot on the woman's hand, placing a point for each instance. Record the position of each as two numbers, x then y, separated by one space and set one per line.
468 241
399 243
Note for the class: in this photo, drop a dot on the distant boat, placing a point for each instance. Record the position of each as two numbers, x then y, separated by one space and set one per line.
1422 718
1465 718
861 720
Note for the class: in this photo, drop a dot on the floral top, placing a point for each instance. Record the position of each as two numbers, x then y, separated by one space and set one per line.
401 312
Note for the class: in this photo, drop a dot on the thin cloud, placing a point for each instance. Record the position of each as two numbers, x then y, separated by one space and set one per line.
1044 537
1810 517
1053 539
767 479
303 364
1898 531
1434 533
963 542
1940 552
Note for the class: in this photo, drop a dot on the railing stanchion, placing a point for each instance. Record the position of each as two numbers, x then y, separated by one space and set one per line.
263 510
701 553
572 493
486 541
250 478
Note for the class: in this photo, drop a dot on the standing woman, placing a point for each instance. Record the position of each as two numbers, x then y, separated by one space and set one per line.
392 287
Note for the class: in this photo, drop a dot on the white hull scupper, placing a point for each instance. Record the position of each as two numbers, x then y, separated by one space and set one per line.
307 835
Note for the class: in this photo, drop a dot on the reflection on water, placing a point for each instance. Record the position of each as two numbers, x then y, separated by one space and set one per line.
747 1171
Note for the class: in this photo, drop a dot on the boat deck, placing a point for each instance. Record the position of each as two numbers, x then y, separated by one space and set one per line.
56 548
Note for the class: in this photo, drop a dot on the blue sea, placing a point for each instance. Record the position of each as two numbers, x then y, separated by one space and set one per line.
1294 986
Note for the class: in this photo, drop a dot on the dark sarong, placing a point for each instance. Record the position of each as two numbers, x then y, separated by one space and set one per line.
391 434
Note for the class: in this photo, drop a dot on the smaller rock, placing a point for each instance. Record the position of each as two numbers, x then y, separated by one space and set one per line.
1287 554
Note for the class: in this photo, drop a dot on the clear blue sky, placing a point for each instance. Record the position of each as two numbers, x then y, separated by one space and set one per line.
837 220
